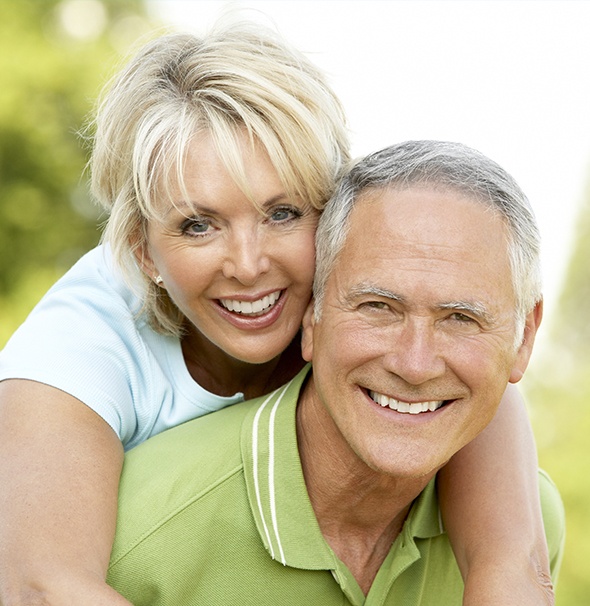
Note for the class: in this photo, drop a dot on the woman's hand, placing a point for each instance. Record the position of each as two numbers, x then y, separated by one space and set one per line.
59 473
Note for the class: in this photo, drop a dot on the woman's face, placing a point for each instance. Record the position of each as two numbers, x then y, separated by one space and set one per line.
242 276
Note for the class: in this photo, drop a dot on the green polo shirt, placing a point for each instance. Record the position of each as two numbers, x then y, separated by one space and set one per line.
215 512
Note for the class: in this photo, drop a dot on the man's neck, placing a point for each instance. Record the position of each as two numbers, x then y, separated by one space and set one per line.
360 511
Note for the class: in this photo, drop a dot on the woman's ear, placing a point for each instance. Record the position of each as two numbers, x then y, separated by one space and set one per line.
140 249
307 333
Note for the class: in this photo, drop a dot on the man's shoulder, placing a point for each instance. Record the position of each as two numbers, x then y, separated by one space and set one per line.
177 468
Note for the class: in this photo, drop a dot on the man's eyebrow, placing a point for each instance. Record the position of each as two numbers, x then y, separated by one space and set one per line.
368 289
474 308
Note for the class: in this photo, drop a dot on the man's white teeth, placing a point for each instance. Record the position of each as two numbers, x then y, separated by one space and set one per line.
413 409
251 308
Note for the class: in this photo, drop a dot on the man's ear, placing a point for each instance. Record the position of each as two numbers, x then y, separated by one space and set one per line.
307 332
523 356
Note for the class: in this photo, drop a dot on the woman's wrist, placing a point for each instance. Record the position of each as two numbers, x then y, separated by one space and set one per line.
514 579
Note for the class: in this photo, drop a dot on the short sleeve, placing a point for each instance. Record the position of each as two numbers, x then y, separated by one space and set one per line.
82 338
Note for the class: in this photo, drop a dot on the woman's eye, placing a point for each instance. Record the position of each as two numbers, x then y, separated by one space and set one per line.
284 213
195 227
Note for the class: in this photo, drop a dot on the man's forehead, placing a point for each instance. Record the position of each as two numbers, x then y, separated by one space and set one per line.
423 214
441 240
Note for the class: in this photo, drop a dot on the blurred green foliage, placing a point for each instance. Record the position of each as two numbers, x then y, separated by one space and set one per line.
50 80
54 58
558 388
572 332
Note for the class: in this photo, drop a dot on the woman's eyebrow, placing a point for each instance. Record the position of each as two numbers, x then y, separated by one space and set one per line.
281 197
190 207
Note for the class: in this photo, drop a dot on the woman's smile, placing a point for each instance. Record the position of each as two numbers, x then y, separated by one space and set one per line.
246 307
239 267
255 315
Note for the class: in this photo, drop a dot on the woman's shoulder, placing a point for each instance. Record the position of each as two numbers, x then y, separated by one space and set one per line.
84 338
95 272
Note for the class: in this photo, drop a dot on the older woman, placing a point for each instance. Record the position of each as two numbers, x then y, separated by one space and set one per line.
213 157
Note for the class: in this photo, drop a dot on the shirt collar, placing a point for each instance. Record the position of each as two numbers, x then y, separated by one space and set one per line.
278 495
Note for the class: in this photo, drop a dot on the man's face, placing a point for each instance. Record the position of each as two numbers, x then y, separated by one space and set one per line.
415 345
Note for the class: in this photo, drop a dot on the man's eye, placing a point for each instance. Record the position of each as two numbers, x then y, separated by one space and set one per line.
376 305
459 317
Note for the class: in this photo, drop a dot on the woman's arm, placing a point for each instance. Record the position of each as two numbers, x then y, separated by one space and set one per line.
59 472
490 502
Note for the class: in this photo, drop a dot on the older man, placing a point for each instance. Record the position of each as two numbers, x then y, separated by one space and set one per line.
427 302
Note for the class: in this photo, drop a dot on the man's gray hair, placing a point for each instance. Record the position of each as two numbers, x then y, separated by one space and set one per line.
439 165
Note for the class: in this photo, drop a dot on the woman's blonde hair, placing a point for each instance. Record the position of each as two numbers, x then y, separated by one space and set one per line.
240 78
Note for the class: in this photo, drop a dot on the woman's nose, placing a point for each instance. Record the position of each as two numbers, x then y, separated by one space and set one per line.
246 258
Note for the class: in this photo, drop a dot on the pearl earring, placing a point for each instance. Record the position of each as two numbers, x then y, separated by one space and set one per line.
159 280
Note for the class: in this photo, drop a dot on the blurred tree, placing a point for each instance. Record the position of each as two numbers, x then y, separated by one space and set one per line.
54 57
559 392
572 329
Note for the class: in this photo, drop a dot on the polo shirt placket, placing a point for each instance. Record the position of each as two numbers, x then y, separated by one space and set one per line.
240 530
284 515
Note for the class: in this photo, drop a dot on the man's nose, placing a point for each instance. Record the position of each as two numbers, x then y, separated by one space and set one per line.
246 257
414 355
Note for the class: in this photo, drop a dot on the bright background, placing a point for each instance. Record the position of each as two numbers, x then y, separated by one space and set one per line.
511 79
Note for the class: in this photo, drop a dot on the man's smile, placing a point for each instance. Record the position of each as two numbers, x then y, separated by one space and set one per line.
412 408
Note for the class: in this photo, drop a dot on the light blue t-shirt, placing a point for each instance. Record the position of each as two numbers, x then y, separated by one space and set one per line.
84 337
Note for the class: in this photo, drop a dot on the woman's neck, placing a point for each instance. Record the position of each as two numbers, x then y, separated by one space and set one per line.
224 375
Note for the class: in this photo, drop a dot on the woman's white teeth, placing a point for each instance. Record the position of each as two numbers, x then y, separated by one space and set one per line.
251 308
413 409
